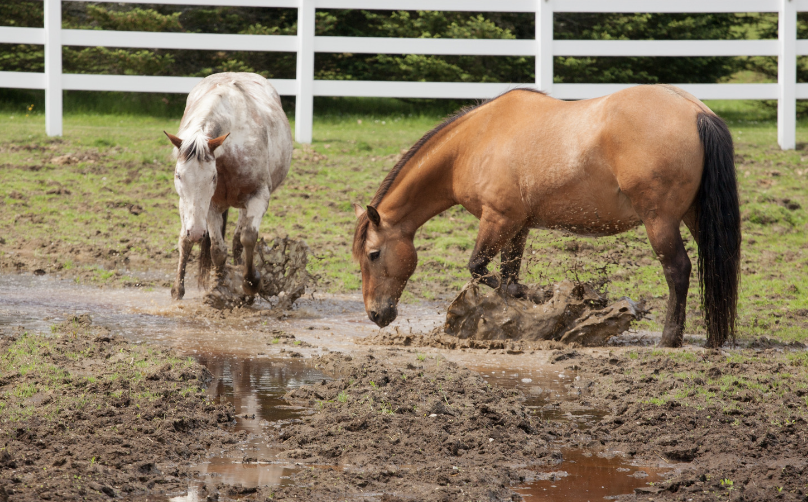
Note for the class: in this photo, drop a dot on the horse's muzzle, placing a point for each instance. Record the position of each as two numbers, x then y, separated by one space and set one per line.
384 316
196 236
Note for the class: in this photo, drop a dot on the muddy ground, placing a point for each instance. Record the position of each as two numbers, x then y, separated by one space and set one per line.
395 424
86 415
402 422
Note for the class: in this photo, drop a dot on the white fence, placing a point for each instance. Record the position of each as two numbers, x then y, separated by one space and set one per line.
306 44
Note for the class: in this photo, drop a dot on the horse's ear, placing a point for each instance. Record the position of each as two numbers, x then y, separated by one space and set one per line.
373 216
215 143
358 210
174 140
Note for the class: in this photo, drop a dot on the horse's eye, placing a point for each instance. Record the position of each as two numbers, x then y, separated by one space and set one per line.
374 255
177 175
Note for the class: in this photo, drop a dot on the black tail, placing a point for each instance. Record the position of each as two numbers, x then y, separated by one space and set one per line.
719 231
205 258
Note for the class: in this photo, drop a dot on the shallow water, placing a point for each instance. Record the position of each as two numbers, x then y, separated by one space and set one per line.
242 352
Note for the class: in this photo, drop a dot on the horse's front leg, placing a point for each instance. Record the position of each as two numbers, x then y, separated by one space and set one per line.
218 250
238 247
496 230
512 262
252 216
184 246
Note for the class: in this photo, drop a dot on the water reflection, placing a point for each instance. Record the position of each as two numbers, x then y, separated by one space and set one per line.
255 387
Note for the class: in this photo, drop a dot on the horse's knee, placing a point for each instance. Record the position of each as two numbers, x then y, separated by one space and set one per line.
248 237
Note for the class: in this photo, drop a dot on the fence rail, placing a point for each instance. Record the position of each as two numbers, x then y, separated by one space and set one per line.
305 44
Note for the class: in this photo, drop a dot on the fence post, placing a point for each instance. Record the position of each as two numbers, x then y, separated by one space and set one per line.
787 76
544 45
53 67
304 102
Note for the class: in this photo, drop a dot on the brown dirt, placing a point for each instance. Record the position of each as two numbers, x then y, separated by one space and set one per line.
86 415
733 425
423 430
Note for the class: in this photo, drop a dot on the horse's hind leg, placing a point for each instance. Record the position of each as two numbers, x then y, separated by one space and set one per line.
184 246
254 211
667 243
512 262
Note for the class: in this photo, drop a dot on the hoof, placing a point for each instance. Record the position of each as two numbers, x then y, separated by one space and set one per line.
218 297
671 341
252 285
517 290
177 292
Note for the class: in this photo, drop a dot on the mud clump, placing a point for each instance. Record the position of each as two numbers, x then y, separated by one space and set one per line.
567 312
427 430
87 415
282 265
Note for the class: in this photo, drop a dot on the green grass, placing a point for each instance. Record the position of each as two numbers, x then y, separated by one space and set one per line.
356 143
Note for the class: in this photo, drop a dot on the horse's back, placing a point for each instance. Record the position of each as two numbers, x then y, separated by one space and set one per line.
585 165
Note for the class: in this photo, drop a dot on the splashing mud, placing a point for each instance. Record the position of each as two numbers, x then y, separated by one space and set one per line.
282 265
566 312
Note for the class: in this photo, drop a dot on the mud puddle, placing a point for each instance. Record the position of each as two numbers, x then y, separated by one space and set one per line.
253 372
584 477
255 387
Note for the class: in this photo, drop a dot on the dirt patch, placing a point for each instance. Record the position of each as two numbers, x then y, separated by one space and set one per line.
424 430
734 425
86 415
568 312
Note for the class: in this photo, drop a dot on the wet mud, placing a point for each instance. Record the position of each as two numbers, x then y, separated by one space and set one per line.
575 423
86 415
427 429
733 425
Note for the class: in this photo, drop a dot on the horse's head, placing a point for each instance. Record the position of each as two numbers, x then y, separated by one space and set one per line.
387 258
195 181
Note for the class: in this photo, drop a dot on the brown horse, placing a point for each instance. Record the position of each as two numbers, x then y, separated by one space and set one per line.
653 155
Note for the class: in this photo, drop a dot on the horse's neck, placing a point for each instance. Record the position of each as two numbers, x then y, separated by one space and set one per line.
422 189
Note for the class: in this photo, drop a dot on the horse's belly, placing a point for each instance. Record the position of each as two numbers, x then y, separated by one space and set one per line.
597 216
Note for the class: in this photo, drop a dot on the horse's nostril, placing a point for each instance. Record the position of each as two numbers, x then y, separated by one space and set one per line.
188 233
373 315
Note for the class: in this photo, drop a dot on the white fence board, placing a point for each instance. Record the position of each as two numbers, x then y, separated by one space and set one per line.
442 46
14 35
288 4
440 5
22 80
192 41
656 48
543 48
666 6
701 91
437 90
139 83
